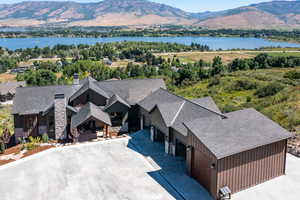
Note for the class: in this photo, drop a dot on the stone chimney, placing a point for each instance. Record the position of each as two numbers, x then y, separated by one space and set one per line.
60 117
76 79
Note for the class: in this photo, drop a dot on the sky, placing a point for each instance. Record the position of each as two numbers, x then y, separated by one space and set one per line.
187 5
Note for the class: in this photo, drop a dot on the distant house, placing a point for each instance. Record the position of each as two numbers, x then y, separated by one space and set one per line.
8 90
226 153
107 61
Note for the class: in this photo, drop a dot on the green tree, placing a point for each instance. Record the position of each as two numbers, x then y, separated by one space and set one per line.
217 66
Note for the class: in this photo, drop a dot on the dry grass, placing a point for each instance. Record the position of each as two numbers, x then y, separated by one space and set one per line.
226 56
6 77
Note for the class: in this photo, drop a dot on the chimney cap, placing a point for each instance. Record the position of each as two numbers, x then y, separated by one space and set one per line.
59 96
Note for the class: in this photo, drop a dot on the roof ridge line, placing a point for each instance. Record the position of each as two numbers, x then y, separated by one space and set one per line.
139 79
178 112
220 114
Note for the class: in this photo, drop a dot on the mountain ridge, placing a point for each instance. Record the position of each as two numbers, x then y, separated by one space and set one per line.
266 15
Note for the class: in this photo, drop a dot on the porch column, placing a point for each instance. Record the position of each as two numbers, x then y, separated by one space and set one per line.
152 133
142 123
172 148
166 144
189 158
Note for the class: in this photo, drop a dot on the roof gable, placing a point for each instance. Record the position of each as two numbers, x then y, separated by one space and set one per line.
207 102
89 85
88 111
167 114
115 99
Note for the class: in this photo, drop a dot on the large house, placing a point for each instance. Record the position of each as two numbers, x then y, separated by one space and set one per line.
226 153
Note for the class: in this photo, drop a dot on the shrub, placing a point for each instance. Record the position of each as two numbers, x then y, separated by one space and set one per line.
45 138
214 81
269 90
240 85
293 75
2 147
249 99
33 143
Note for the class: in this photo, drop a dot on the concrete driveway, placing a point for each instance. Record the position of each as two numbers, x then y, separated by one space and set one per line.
106 170
285 187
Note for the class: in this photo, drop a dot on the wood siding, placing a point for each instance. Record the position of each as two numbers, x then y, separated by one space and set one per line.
199 162
252 167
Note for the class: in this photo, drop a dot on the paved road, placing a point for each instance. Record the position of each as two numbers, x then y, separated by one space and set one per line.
96 171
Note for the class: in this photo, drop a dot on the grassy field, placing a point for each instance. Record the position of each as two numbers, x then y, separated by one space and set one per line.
227 56
191 57
283 107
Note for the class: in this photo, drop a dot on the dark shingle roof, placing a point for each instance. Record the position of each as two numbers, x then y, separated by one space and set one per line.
87 79
89 85
241 131
175 110
116 98
207 102
89 111
134 90
10 87
33 100
170 115
158 97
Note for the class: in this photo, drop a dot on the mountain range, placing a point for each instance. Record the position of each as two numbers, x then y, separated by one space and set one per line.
268 15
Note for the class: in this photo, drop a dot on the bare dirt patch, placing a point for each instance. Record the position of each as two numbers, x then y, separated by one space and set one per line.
6 77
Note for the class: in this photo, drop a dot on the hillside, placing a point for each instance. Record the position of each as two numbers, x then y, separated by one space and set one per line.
269 15
104 13
238 90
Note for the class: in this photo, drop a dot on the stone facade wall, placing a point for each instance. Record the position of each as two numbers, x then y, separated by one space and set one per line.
60 117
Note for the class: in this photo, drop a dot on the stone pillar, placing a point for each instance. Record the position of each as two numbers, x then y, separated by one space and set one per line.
142 122
60 117
152 133
76 79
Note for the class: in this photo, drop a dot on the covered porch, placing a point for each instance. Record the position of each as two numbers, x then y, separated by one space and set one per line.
90 122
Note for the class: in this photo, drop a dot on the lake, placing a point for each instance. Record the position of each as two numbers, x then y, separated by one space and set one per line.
213 42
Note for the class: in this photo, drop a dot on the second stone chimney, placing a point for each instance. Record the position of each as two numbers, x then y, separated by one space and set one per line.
76 79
